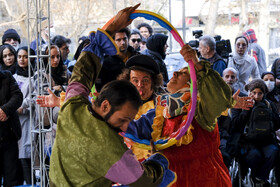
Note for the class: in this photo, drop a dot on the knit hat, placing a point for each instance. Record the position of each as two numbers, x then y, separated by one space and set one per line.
142 62
250 35
10 33
256 83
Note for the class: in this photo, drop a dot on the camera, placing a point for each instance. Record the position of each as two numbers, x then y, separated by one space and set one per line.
197 33
195 43
223 47
217 38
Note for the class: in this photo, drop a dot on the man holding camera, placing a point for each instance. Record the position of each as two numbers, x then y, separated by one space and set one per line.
207 49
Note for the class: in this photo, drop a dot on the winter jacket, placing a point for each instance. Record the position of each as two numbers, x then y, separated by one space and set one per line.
111 68
155 46
10 100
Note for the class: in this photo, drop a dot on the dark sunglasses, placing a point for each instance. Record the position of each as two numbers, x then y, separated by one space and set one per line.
134 40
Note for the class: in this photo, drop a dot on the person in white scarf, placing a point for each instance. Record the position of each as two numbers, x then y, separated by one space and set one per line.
246 65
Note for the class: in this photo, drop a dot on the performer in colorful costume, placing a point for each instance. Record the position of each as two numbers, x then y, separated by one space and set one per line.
195 157
87 149
143 72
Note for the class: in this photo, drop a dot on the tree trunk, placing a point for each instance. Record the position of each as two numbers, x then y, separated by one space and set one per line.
212 17
243 16
263 34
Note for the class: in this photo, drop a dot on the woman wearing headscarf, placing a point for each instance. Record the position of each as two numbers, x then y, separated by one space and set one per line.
8 58
59 73
59 81
156 48
245 65
24 144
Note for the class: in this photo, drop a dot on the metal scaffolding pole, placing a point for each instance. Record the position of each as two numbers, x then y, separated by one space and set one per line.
184 19
169 17
41 118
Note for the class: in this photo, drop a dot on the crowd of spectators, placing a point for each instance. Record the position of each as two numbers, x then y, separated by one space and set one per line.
141 61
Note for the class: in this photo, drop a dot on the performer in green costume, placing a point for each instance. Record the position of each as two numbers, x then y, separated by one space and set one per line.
88 150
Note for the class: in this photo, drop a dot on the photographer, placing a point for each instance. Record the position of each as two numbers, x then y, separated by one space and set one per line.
207 49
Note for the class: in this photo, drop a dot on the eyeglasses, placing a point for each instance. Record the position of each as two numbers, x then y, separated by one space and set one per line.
134 40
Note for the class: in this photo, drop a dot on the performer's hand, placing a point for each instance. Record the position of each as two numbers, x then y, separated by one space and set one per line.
121 20
244 103
50 100
190 54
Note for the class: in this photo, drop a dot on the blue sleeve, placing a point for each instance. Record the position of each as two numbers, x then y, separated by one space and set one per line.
89 63
33 45
142 128
219 66
169 177
101 43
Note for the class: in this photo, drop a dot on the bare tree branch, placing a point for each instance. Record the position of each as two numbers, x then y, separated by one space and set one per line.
8 8
20 19
212 17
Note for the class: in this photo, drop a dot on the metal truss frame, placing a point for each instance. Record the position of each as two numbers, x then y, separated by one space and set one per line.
40 117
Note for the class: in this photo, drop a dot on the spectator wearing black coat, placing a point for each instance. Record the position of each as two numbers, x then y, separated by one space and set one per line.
275 69
114 65
230 76
259 150
10 128
156 48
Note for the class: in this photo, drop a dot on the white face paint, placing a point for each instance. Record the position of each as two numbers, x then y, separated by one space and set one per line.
270 85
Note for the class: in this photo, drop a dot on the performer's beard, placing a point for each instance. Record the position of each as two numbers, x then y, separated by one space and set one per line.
107 117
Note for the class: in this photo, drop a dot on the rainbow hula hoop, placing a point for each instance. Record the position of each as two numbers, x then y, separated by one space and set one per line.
162 144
